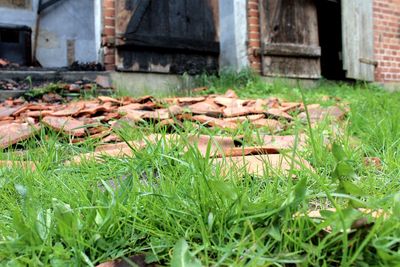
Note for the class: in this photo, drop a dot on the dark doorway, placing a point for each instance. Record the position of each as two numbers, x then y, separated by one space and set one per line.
330 39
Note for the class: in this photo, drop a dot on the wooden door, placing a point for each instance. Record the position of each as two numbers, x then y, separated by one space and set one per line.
167 36
358 40
289 36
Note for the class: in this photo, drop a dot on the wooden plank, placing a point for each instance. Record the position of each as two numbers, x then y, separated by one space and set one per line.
291 50
195 19
159 18
137 16
172 43
177 18
289 33
179 36
292 67
358 40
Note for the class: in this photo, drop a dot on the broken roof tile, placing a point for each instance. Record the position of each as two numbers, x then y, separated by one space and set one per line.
260 165
241 119
213 122
230 93
218 144
190 100
13 133
272 125
67 125
208 108
70 110
278 114
318 114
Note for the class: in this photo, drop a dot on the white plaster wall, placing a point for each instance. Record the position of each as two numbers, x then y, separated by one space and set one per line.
19 16
66 20
233 34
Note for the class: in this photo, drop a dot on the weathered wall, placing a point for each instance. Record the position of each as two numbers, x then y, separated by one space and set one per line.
233 34
15 14
67 30
387 40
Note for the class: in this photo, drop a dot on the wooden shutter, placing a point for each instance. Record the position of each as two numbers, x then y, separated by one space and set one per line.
167 36
289 36
358 40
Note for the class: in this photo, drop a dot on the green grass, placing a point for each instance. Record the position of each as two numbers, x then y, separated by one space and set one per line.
173 205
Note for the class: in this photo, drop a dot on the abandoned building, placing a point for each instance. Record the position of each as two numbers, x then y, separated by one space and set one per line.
306 39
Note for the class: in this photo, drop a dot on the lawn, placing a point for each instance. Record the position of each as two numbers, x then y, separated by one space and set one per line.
175 207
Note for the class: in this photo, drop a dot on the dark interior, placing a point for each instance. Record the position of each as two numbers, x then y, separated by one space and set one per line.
15 44
330 38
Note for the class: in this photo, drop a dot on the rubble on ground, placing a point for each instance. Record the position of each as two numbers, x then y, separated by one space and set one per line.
99 118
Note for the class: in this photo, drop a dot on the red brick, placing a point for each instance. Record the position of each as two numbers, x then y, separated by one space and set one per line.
109 31
109 59
109 13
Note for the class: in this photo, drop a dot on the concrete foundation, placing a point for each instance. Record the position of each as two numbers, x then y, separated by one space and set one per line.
138 84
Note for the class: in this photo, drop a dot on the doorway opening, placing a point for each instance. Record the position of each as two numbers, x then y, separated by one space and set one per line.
330 39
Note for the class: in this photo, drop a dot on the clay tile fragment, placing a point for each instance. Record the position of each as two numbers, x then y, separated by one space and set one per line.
38 113
245 151
272 102
67 125
235 111
13 133
230 93
279 114
272 125
70 110
190 100
241 119
318 114
137 260
175 110
7 111
136 115
257 106
158 114
261 165
213 122
284 142
374 162
25 165
208 108
218 144
143 99
93 108
106 99
290 106
111 138
21 110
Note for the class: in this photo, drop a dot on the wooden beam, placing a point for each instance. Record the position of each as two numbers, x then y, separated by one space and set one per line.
290 50
169 43
137 16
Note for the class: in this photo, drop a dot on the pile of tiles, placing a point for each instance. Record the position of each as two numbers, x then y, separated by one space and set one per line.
99 118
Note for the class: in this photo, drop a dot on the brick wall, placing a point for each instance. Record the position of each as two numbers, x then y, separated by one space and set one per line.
108 34
253 37
387 40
